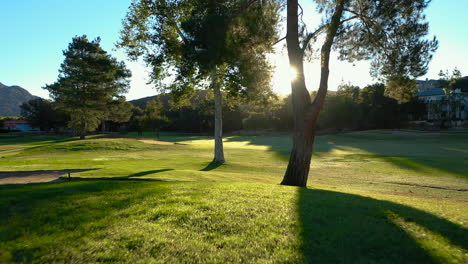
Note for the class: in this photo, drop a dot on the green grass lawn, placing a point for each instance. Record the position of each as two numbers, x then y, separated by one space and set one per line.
373 197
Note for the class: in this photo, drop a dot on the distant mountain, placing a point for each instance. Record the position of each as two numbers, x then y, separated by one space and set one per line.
11 98
142 101
164 98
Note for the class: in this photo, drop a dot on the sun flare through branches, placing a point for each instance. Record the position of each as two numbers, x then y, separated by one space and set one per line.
292 74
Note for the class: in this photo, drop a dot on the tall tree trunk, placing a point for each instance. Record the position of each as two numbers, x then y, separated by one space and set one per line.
305 112
218 124
299 160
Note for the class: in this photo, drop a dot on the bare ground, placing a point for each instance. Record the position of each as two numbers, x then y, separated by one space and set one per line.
24 177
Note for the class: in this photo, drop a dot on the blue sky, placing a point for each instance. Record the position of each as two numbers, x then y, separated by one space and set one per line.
34 33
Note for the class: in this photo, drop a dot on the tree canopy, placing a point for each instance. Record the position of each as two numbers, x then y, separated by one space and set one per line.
400 88
42 113
90 84
187 39
217 44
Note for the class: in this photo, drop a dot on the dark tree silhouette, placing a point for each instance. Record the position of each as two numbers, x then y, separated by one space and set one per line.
389 32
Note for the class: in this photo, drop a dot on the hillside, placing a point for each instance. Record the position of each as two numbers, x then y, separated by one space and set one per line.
11 98
142 101
164 98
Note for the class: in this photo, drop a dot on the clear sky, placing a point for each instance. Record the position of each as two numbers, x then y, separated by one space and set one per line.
34 33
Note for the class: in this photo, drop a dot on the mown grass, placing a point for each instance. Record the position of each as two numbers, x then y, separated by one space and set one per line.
374 197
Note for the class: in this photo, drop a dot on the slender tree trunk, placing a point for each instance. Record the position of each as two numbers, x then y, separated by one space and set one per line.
218 124
301 153
299 162
305 112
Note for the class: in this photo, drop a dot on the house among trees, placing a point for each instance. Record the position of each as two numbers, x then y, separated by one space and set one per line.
443 103
21 125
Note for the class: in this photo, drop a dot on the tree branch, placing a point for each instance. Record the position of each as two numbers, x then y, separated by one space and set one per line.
314 34
316 106
180 33
366 20
279 40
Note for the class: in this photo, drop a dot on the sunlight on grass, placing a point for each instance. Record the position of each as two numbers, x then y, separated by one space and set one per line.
236 212
459 150
438 247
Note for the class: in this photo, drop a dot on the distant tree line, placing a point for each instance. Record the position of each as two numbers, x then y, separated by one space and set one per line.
348 108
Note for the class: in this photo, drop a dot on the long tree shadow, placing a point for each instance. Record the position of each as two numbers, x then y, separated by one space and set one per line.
40 140
144 173
445 153
345 228
65 211
211 166
131 177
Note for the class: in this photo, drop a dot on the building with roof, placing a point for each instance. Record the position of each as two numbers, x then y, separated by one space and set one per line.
442 103
21 125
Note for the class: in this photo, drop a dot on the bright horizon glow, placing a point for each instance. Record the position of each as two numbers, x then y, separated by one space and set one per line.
38 31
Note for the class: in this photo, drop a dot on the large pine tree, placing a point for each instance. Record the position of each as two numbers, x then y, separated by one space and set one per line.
89 85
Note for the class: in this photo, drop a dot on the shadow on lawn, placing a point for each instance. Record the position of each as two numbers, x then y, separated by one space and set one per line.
336 227
211 166
144 173
131 177
344 228
42 140
65 212
417 153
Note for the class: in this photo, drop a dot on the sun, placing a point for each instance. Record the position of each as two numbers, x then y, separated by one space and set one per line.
292 73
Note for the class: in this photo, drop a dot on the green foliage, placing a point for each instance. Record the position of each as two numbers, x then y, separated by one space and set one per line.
453 81
274 115
348 90
90 84
153 118
119 111
42 113
360 109
379 111
340 112
390 33
400 88
190 39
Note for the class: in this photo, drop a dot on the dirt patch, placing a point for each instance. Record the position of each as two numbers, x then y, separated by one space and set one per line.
24 177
